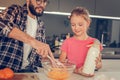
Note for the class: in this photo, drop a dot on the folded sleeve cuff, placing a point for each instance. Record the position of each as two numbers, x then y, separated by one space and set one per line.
7 29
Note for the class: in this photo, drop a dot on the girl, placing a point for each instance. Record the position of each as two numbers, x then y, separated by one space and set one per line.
75 48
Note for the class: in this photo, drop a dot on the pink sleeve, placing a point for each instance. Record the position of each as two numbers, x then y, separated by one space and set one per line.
64 46
101 47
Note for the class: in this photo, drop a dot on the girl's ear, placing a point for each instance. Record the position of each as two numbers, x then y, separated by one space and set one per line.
89 23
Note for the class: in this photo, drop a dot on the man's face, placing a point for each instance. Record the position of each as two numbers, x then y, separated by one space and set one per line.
37 7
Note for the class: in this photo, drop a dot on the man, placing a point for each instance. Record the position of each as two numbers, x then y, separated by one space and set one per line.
22 36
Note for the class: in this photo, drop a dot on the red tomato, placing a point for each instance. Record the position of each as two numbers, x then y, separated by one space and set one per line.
2 75
6 73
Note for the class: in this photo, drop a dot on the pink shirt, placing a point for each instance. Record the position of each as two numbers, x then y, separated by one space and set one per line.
76 50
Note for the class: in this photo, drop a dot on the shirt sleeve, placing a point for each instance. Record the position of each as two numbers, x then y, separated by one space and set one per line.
64 46
8 19
101 47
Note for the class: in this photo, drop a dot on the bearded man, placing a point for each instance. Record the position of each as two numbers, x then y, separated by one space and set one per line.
22 37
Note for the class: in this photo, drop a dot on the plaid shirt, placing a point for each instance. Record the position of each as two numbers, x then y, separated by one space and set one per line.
11 50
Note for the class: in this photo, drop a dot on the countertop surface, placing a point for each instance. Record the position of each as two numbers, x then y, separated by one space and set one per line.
43 76
109 71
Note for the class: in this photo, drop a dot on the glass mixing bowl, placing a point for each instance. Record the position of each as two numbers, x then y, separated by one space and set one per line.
58 73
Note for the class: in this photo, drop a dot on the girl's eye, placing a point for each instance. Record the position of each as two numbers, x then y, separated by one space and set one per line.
72 24
80 25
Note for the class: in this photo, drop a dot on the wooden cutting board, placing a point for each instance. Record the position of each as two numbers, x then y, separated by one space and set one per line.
25 77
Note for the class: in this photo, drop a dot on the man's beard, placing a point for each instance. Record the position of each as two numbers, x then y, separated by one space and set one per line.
33 11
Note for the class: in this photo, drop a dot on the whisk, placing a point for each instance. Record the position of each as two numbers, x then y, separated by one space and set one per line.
56 63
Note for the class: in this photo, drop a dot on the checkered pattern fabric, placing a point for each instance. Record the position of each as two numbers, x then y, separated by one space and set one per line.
11 50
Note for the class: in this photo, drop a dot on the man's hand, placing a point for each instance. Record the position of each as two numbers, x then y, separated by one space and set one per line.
42 48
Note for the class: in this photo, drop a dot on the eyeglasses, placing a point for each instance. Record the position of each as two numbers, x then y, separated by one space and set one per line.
42 1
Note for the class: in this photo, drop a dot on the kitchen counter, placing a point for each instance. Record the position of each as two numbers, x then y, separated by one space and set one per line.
43 76
109 71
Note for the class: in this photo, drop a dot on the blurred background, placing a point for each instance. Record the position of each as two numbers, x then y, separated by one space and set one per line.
105 24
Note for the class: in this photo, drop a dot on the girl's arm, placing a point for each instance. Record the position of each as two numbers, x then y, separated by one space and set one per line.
62 57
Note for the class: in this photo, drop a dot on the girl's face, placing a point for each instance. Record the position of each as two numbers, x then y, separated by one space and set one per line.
79 25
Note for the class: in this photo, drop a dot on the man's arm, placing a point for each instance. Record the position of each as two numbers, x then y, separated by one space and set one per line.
41 48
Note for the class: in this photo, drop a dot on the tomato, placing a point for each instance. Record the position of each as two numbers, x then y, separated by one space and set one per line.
6 73
2 75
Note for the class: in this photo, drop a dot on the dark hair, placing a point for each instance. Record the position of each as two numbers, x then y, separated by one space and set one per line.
81 11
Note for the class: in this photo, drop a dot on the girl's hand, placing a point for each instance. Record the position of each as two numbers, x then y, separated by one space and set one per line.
98 62
79 71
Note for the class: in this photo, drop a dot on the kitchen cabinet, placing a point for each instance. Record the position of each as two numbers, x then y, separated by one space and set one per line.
107 8
96 7
68 5
53 5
